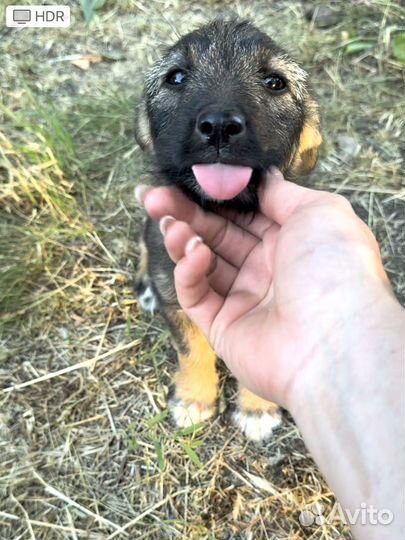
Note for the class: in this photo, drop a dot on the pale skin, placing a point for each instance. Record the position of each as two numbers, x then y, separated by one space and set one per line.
298 305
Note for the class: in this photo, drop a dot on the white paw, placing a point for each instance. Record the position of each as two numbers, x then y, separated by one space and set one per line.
257 426
148 300
187 414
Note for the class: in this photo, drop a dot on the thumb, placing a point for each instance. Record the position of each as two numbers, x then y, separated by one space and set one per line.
279 198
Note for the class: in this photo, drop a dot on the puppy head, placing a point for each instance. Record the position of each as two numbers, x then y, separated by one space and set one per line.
223 105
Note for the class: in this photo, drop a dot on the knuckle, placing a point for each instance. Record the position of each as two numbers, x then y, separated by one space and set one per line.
340 202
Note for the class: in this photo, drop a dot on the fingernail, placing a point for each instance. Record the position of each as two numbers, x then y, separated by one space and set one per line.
275 171
272 173
192 244
164 224
140 192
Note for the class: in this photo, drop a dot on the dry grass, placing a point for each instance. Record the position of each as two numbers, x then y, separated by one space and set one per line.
86 447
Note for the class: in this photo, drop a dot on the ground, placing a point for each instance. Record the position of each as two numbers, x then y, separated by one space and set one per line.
87 449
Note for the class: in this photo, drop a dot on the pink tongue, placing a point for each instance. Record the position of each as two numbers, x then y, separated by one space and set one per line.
221 181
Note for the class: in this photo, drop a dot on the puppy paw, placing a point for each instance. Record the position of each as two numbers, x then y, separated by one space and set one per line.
257 426
147 297
185 414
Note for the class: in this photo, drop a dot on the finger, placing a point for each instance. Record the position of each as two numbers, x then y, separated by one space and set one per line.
198 299
176 236
279 199
165 201
162 201
231 242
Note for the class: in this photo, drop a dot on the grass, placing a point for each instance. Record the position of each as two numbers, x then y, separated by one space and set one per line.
87 449
39 213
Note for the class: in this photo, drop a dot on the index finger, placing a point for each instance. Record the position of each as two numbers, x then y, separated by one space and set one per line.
226 238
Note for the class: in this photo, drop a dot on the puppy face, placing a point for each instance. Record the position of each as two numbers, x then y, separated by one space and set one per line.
223 105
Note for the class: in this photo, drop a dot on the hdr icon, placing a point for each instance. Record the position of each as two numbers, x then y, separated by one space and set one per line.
38 16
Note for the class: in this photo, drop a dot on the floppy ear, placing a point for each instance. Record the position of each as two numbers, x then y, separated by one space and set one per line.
306 155
142 128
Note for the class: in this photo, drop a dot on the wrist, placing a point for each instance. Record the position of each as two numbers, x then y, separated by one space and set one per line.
349 408
372 332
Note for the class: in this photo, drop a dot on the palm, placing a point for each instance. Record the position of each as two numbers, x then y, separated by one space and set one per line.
246 289
249 325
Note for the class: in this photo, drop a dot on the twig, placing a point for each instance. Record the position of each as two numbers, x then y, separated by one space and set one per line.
68 369
58 494
144 514
26 516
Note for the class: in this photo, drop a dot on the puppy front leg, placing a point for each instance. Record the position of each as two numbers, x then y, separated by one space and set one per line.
196 381
255 416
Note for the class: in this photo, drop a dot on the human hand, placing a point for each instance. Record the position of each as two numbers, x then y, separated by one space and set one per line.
298 305
273 294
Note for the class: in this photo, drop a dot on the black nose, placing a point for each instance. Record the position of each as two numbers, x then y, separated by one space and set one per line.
220 127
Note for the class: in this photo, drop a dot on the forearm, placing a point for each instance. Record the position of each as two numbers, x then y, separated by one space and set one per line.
354 424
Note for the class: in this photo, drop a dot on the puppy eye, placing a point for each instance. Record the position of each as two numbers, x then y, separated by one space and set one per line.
275 82
176 77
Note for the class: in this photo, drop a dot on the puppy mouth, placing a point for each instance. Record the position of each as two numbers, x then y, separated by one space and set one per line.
221 181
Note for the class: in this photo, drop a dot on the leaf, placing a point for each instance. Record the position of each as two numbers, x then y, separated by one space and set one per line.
194 429
159 454
192 455
196 443
132 443
131 439
157 418
90 7
358 46
398 47
85 61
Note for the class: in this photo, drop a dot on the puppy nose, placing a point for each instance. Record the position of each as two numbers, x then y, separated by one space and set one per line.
216 127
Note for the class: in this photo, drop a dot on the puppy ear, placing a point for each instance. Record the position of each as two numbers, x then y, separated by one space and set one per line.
142 128
306 155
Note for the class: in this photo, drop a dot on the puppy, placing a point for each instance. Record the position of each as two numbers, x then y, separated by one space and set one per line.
220 107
